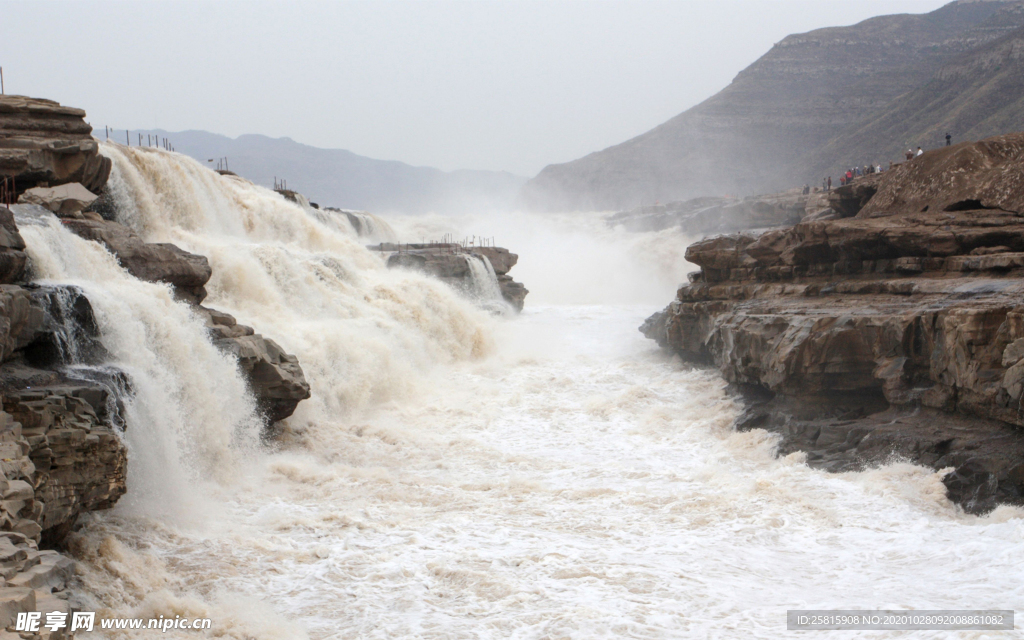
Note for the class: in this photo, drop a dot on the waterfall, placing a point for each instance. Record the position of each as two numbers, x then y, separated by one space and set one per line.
485 282
186 411
366 225
363 334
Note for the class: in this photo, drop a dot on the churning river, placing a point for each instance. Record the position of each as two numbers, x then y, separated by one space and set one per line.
461 475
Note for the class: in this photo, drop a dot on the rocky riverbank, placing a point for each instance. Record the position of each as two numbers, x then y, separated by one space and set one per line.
61 427
891 327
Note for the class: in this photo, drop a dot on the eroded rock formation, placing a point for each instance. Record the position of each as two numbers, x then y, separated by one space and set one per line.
45 144
275 377
58 430
897 330
448 262
153 262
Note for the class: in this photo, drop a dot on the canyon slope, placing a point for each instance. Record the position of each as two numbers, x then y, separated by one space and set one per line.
816 102
893 330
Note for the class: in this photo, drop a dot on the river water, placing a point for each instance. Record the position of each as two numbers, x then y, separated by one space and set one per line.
462 475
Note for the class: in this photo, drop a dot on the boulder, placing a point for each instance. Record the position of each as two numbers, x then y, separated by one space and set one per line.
275 377
66 200
45 144
154 262
502 260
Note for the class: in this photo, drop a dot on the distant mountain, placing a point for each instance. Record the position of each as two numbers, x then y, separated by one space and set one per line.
814 103
338 178
977 95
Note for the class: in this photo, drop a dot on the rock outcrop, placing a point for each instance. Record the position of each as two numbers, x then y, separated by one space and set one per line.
897 330
62 453
45 144
275 377
187 272
502 261
450 264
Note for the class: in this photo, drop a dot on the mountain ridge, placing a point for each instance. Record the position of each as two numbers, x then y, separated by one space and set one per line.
342 178
755 135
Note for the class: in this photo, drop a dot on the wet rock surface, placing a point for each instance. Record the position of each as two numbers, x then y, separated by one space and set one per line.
447 262
899 330
12 249
154 262
275 377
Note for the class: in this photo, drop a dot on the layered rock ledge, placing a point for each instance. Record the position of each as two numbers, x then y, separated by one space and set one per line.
45 144
450 263
894 328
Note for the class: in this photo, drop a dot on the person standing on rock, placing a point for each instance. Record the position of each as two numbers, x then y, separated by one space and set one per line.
909 154
829 183
949 140
920 151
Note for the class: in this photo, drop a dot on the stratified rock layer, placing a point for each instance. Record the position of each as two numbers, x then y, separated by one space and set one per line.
900 329
45 144
447 262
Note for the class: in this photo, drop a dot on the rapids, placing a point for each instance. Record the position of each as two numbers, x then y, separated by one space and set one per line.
457 475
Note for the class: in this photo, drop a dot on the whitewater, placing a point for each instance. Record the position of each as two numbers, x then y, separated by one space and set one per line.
461 474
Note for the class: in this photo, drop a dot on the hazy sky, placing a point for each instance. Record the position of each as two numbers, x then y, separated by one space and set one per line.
476 85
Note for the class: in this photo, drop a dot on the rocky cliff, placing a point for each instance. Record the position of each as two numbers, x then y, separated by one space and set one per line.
897 330
772 127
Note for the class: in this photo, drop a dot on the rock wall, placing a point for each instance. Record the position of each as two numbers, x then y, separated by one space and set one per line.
899 329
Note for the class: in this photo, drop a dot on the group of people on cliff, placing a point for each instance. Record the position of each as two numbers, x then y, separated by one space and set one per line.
855 172
848 177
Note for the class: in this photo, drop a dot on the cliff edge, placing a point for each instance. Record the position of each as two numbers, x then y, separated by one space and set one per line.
897 331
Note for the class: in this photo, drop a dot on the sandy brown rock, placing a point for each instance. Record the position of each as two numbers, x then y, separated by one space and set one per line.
45 144
892 310
154 262
275 377
447 262
969 176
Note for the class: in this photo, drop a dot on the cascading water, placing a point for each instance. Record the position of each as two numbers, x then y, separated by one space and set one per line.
189 414
368 225
574 483
483 285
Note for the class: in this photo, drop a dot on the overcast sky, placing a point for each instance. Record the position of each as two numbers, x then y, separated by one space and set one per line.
477 85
